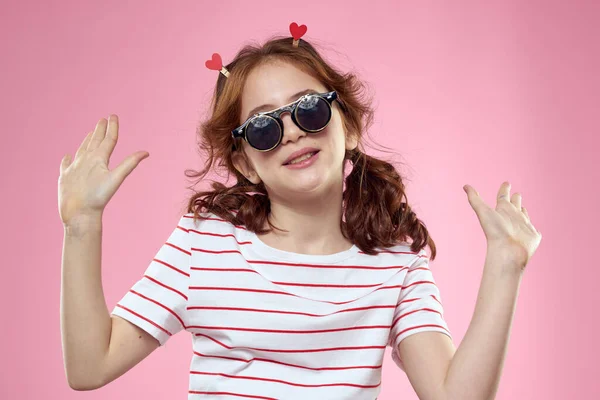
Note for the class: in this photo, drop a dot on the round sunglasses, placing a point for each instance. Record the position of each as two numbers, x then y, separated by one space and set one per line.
264 131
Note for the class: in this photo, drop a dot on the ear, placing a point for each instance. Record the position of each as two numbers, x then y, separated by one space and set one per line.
244 166
351 141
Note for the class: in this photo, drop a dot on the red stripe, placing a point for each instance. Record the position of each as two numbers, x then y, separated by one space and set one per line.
178 248
415 299
399 267
300 284
239 290
235 328
417 283
290 294
420 326
368 267
216 251
283 293
253 359
435 298
160 305
220 235
254 378
327 285
166 286
145 319
223 269
286 283
170 266
285 312
397 252
220 220
293 351
415 269
408 300
183 229
233 394
411 312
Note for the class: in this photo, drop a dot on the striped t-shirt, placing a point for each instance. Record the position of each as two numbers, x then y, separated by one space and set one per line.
272 324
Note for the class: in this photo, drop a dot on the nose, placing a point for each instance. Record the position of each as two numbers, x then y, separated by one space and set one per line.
291 131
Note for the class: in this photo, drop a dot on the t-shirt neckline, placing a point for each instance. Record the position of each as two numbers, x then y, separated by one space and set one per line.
260 247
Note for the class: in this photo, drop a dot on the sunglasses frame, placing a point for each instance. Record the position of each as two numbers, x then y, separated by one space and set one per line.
240 132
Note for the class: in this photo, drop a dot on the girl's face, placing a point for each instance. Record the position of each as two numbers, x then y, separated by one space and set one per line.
274 84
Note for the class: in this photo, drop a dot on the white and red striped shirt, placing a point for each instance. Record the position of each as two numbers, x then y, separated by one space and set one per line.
272 324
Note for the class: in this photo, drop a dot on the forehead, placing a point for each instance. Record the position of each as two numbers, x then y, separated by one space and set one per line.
272 84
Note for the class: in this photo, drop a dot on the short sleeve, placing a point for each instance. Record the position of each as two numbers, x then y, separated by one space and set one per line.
419 307
157 301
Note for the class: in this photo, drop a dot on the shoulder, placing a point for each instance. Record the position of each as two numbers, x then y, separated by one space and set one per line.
207 223
402 252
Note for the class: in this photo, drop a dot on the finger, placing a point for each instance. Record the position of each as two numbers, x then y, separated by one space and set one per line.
98 135
524 210
503 192
83 146
123 170
516 199
64 163
529 220
110 140
475 200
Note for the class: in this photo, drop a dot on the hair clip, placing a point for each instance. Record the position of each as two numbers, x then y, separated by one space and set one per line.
217 64
297 32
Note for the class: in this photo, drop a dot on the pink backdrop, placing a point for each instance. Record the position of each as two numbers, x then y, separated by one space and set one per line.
466 91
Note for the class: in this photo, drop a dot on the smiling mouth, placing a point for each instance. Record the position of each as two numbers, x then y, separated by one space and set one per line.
303 157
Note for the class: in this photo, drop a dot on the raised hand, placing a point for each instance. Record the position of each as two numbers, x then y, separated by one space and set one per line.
85 184
508 226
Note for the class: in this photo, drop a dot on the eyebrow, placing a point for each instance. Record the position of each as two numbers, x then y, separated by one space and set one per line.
271 106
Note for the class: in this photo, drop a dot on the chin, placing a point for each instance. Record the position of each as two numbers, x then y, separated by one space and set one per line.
310 185
301 186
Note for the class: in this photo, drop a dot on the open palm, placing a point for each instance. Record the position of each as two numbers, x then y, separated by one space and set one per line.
86 185
508 225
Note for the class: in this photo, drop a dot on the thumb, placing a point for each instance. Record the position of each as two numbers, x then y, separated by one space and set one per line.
65 162
123 170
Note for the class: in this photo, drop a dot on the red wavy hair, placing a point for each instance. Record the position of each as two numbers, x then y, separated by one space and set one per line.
376 213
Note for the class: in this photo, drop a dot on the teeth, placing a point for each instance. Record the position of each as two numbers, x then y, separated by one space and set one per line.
302 158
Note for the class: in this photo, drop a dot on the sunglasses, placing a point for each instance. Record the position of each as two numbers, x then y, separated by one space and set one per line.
264 131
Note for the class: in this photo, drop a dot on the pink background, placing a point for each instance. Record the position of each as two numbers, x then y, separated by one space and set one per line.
467 92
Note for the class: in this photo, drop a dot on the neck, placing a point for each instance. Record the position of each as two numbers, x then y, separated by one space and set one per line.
313 222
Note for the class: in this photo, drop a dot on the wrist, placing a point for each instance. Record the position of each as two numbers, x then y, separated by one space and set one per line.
505 261
83 224
510 251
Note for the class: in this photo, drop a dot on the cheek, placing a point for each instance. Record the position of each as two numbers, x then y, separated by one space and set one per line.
265 163
252 160
339 139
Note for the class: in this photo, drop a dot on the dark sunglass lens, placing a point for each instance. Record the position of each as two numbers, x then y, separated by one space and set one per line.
313 113
263 132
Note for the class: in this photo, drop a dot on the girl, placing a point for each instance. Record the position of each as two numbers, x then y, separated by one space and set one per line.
293 281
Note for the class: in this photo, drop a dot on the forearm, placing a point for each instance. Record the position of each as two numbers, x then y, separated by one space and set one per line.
85 320
476 367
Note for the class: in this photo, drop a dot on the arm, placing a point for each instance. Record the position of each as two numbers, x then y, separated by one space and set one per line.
96 348
473 370
476 368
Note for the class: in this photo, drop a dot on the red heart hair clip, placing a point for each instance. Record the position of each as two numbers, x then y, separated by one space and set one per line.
297 32
216 64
